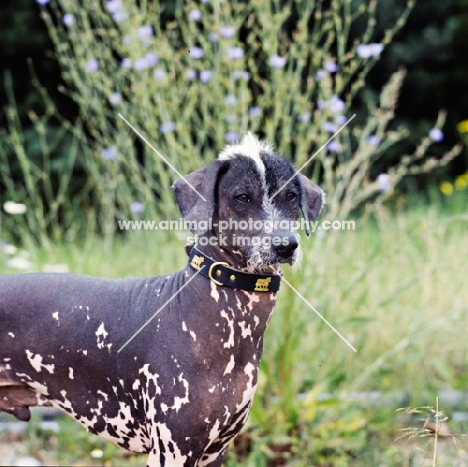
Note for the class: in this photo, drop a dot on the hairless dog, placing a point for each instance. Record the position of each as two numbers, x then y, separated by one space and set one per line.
182 388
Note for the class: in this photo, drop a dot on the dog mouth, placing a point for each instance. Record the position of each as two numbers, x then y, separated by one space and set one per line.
267 261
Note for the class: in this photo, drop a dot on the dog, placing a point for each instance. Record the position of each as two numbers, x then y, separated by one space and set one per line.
181 389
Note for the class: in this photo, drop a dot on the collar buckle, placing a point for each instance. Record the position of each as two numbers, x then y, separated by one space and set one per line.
218 272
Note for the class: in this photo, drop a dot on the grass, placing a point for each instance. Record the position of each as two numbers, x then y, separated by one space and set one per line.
395 288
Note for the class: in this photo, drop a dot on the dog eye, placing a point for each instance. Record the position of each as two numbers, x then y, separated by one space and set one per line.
243 198
291 196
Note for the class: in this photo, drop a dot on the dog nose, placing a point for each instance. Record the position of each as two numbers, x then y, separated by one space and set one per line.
284 245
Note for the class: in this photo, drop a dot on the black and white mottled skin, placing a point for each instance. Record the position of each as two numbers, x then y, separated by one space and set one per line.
182 388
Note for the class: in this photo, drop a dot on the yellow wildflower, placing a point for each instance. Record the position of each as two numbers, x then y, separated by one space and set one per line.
461 182
446 188
463 126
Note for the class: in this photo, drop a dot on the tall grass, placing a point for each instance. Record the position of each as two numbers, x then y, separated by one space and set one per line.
392 287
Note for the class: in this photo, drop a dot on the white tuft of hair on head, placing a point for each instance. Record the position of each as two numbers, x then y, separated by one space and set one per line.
250 146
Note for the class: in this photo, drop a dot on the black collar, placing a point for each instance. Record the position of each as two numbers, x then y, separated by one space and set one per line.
221 274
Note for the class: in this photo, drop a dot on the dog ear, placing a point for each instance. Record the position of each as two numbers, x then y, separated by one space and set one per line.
195 195
312 199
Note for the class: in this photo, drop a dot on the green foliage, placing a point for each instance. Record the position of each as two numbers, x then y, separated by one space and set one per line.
146 71
187 86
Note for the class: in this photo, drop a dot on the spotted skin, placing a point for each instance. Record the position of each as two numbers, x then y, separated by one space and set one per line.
182 388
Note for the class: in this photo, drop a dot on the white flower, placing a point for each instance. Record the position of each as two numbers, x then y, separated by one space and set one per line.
60 267
213 37
92 66
9 249
19 262
384 182
68 19
96 453
436 135
195 15
196 52
10 207
42 2
277 62
115 98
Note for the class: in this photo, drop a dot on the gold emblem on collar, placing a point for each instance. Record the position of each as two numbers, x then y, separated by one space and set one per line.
262 285
197 261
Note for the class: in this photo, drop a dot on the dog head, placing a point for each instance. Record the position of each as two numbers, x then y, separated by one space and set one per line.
253 199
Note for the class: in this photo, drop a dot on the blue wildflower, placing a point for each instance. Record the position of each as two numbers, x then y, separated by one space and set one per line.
227 32
115 98
330 127
369 50
304 117
205 76
195 15
144 32
120 16
159 75
230 99
231 136
373 140
167 127
277 62
114 6
190 75
68 19
109 153
126 63
333 146
255 111
336 105
92 65
385 183
330 66
237 75
436 135
137 208
235 53
196 52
